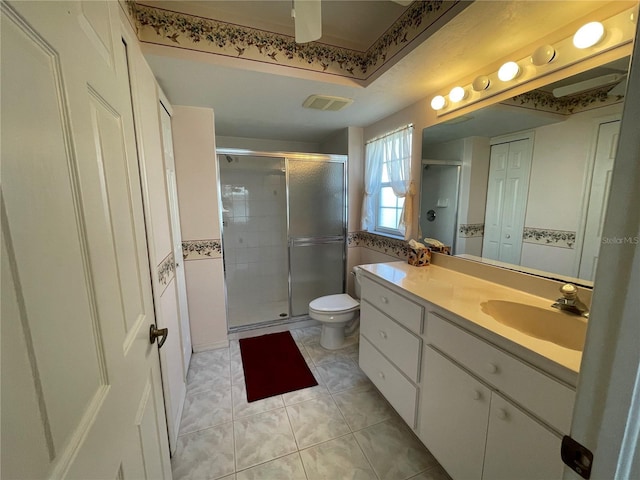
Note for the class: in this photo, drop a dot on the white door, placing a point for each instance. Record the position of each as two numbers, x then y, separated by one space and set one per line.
600 185
508 187
81 389
176 236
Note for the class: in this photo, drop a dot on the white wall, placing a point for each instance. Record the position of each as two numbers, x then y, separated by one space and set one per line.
559 187
196 176
266 145
562 158
337 143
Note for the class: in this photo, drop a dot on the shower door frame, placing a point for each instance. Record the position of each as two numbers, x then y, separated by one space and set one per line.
286 156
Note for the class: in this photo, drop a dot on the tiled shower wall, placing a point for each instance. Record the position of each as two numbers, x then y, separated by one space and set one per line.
255 239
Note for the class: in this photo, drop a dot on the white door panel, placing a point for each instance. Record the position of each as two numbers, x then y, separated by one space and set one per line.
598 197
74 243
507 192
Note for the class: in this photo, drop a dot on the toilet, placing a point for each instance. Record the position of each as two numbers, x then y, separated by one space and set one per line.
335 312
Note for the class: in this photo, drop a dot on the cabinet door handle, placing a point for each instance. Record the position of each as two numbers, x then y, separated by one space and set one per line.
383 334
384 299
477 395
503 414
381 375
492 368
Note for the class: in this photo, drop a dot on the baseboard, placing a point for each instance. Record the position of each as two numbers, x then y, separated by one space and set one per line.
210 346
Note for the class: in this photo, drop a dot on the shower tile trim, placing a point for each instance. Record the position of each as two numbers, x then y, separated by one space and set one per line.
166 270
201 249
471 230
548 237
379 243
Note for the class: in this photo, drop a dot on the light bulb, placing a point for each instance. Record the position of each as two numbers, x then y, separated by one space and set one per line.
588 35
457 93
438 102
543 55
481 83
508 71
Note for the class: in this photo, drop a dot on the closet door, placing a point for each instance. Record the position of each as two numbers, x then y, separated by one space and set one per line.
507 200
317 214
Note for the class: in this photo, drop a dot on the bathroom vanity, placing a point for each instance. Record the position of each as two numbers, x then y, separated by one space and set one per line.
483 373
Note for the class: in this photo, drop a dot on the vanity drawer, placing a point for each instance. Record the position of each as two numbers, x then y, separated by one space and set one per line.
545 397
400 392
394 341
402 310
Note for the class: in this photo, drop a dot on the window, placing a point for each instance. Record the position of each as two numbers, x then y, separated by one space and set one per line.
388 207
388 195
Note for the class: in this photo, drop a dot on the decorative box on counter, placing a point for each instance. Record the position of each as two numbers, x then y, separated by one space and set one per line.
419 257
437 246
443 249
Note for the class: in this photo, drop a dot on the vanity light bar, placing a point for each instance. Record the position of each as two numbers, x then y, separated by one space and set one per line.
592 39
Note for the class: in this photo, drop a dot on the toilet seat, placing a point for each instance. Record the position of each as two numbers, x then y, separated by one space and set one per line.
339 303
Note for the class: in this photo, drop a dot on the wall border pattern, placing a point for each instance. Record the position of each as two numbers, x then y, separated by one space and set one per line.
471 230
545 101
201 249
166 270
175 29
391 246
552 238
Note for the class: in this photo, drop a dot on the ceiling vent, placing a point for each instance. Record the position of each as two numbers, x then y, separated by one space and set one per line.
325 102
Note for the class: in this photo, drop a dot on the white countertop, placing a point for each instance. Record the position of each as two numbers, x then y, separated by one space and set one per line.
463 295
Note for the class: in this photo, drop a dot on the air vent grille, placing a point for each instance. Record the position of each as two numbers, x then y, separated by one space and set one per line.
325 102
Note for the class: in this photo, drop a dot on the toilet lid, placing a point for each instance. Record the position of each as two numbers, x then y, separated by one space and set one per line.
334 303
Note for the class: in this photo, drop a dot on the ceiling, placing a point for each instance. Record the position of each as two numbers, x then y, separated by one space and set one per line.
254 101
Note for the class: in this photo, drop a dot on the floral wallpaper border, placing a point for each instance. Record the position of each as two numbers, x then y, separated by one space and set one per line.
166 270
471 230
390 246
545 101
166 27
201 249
553 238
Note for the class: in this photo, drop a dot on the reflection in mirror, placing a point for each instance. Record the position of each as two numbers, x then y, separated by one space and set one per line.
439 201
535 171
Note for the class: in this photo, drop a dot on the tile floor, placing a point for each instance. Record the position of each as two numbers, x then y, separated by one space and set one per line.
340 429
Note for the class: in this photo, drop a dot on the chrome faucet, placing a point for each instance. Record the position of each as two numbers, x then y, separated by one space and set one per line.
570 301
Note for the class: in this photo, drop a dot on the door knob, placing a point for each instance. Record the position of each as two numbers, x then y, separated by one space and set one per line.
158 332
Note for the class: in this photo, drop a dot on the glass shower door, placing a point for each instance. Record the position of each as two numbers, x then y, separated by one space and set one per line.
317 223
254 236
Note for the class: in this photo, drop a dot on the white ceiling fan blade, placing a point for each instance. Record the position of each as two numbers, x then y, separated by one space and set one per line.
308 20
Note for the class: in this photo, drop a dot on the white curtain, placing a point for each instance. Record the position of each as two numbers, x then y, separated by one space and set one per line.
373 155
397 154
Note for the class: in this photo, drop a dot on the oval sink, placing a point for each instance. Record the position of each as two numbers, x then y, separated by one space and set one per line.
558 327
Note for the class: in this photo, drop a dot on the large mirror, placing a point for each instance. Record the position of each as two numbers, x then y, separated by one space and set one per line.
535 173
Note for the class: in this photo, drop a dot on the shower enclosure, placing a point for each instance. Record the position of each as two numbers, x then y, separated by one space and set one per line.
439 201
283 233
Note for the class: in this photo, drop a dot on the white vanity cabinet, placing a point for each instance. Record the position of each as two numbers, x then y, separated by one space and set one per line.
514 443
390 346
484 413
454 415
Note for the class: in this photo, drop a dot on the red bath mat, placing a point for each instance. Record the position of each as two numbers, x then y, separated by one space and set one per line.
273 365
